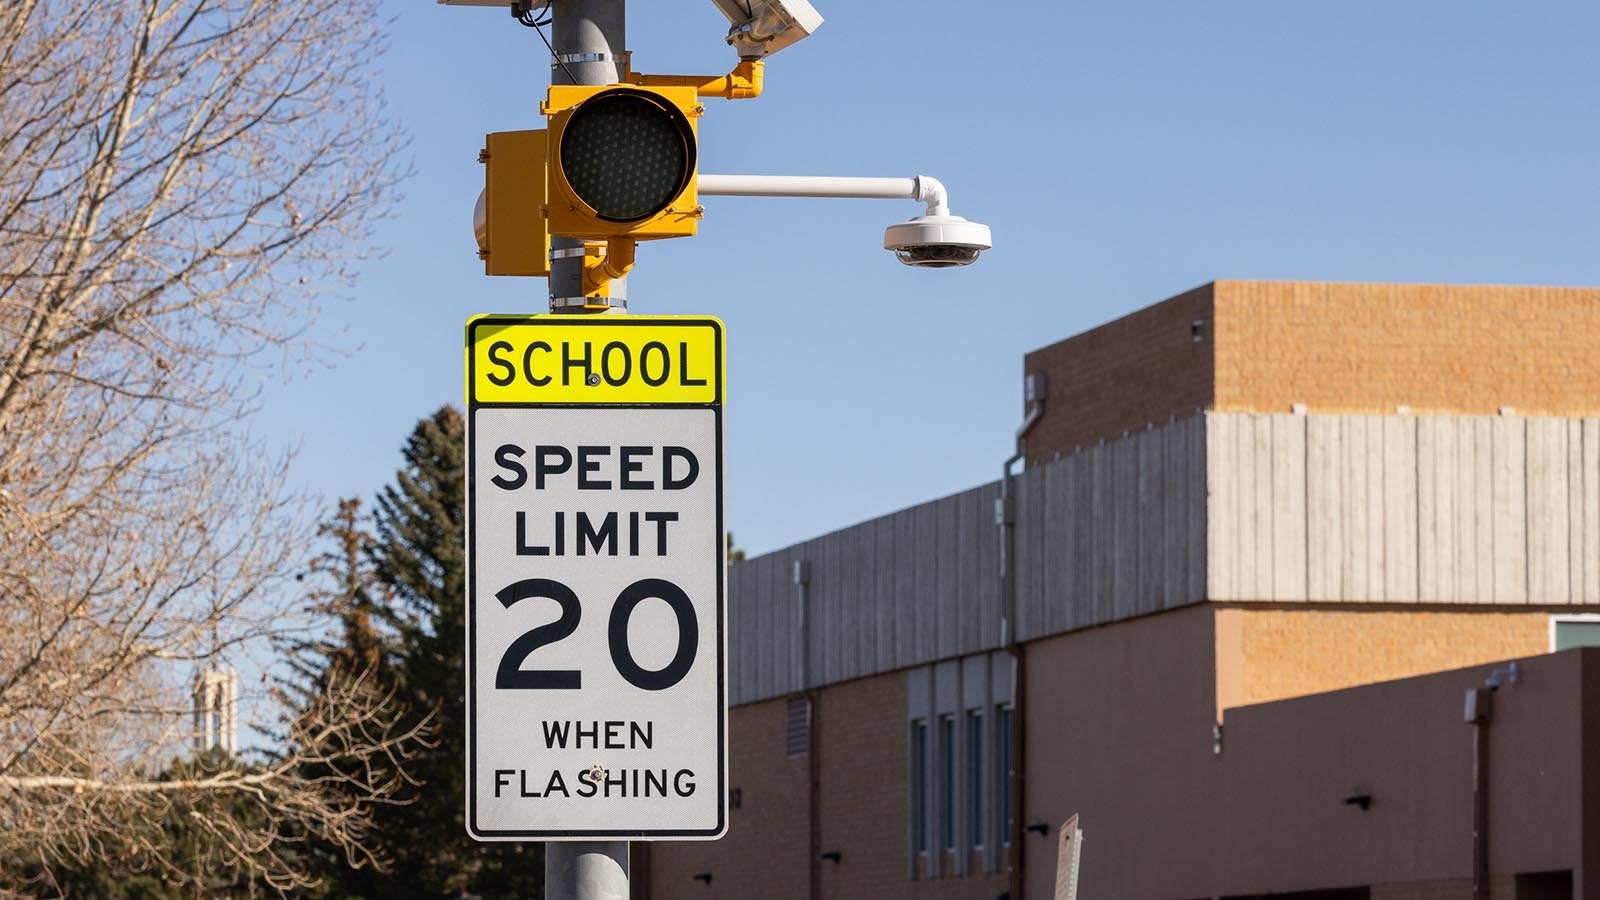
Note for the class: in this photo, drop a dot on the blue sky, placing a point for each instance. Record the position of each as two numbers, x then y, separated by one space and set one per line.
1121 152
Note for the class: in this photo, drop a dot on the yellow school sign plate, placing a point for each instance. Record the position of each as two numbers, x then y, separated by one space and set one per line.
596 663
593 361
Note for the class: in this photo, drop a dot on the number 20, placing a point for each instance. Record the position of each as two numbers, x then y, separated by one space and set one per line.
511 675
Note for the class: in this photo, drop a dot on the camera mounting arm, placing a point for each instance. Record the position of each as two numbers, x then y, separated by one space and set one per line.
935 239
922 187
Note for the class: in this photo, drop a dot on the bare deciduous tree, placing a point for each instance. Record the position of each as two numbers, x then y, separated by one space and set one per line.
180 182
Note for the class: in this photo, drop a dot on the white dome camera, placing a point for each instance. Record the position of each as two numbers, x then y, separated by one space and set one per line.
937 242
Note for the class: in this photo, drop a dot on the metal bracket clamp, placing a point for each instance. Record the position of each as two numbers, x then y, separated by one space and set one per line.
611 296
562 58
605 263
562 304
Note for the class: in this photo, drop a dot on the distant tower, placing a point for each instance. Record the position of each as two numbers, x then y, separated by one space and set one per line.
216 709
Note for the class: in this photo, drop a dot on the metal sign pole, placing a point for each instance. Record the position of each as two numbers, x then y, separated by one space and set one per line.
585 870
589 38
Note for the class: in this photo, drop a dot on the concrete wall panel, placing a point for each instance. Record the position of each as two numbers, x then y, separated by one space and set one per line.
1251 507
1402 509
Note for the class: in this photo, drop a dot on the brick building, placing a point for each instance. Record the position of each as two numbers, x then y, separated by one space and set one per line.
1268 538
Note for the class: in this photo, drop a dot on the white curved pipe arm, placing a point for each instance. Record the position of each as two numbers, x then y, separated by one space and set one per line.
931 191
927 189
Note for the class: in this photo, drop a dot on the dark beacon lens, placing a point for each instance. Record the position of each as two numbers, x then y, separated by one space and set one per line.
626 155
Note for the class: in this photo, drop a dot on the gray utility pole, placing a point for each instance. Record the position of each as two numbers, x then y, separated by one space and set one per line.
589 38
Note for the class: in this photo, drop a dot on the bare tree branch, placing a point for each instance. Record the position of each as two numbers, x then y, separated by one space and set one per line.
181 183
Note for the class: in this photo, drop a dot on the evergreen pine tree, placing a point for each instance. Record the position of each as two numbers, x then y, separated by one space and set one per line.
419 556
342 590
361 650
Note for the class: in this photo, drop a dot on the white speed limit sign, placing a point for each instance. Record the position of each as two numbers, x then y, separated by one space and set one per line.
596 688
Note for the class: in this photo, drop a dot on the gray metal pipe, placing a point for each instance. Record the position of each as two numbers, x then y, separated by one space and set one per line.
589 38
586 870
1006 519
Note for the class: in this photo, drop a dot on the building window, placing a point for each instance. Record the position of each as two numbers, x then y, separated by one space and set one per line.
919 786
955 768
797 731
976 772
1002 768
947 782
1568 631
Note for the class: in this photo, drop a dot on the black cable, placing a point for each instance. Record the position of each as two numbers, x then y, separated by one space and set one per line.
572 79
524 14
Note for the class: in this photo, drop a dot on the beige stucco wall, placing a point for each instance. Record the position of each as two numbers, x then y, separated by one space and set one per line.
1287 767
1119 731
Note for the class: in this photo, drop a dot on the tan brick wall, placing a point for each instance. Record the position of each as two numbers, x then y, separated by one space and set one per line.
1121 376
863 801
1271 654
1437 349
1333 347
764 852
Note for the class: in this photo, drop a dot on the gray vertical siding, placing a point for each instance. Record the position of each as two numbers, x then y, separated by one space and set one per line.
1106 533
908 588
1236 507
1403 509
1103 534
